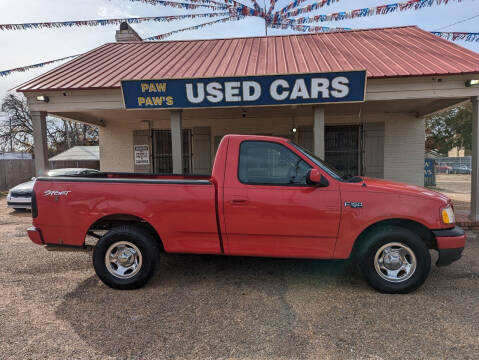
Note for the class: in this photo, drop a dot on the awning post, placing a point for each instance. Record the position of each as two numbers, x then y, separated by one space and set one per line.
318 132
40 147
177 141
474 215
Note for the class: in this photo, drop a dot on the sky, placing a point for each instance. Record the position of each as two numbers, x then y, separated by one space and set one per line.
26 47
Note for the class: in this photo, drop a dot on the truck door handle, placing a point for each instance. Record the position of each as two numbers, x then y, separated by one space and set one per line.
239 202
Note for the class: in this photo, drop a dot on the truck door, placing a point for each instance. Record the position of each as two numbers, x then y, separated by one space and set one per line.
270 210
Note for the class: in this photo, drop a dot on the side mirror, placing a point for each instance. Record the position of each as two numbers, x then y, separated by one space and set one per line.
33 178
315 178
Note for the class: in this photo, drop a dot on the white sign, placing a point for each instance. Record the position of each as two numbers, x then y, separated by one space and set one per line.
142 155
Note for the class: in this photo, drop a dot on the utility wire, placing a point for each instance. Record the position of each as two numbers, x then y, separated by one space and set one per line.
458 22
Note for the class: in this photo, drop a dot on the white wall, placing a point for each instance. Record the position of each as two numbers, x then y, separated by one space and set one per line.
116 146
404 141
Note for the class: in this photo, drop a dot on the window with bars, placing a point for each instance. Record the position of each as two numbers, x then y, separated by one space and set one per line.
342 147
162 152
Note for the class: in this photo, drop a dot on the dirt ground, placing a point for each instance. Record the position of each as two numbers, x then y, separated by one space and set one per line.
52 306
458 188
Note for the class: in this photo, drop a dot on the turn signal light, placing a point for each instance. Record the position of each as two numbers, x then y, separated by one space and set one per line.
448 215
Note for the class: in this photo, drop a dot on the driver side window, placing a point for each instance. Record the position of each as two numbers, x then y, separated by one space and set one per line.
269 163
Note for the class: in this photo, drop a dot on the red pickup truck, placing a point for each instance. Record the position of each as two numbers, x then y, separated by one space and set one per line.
266 196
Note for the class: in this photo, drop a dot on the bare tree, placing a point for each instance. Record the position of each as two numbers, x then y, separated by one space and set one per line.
17 130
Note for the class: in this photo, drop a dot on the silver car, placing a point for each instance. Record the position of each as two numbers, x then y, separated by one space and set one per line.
20 196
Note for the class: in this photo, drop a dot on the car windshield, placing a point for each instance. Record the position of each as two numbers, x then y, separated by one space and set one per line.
331 170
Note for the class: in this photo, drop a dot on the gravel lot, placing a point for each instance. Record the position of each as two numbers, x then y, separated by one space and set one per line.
209 307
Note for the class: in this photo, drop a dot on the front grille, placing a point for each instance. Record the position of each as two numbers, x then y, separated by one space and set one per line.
20 193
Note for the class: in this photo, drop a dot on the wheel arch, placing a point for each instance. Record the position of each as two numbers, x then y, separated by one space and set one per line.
424 233
110 221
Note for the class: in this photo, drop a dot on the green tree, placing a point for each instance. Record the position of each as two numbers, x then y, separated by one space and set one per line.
449 129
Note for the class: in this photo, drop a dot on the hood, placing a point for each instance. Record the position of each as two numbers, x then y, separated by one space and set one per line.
26 186
379 185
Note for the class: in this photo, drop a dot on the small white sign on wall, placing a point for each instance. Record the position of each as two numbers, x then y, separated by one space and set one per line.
142 155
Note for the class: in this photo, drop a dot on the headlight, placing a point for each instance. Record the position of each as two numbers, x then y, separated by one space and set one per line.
447 215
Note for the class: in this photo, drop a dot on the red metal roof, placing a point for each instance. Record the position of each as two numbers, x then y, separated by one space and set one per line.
387 52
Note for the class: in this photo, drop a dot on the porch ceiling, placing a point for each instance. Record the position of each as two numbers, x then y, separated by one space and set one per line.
419 107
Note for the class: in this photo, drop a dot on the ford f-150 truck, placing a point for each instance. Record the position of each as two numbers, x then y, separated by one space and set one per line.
266 196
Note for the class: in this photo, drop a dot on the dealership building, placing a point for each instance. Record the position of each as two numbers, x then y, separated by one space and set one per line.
309 88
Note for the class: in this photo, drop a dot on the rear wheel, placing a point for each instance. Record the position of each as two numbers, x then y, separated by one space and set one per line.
125 257
395 260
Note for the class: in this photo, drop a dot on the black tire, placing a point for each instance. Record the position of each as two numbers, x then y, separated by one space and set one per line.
148 253
393 234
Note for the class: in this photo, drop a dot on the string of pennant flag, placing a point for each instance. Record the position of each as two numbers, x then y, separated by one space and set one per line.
104 22
4 73
308 28
34 66
233 10
453 36
357 13
195 27
182 5
162 2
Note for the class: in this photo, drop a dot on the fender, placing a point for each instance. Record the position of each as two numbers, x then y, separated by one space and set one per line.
347 238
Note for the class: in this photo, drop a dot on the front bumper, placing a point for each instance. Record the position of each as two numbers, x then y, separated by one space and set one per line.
450 244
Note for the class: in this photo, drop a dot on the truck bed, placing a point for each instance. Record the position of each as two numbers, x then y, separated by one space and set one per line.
181 208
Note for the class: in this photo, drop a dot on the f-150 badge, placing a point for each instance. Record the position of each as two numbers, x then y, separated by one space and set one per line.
353 204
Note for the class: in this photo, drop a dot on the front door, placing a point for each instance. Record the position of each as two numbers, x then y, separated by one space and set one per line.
270 210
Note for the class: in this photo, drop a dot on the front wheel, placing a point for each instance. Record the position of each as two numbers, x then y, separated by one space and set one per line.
125 257
395 260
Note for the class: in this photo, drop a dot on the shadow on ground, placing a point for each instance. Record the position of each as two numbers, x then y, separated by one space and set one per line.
20 213
201 307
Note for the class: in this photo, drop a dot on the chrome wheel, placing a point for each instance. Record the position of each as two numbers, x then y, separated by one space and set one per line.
123 259
395 262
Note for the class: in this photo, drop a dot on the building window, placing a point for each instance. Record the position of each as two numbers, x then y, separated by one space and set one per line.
162 152
269 163
342 148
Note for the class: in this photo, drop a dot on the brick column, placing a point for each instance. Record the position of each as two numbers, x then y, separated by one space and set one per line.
177 142
318 132
40 148
475 160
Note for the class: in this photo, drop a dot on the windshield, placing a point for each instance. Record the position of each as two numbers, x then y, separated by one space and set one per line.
331 170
